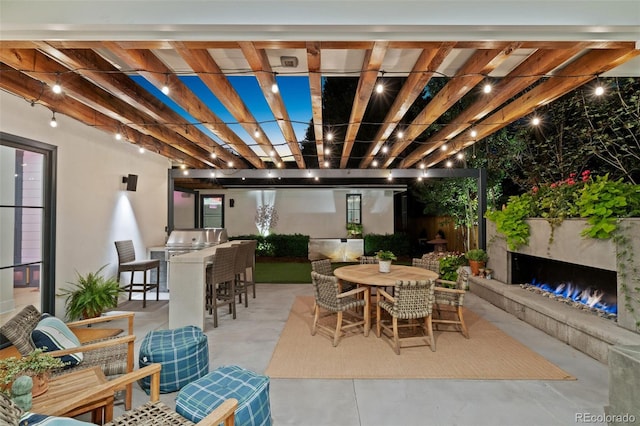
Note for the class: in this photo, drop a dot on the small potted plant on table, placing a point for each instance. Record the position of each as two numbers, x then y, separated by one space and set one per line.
477 259
384 260
38 364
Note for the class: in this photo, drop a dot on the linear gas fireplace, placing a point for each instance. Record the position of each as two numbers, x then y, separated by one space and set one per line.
583 287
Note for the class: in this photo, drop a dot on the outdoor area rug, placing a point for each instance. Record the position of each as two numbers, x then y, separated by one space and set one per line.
488 354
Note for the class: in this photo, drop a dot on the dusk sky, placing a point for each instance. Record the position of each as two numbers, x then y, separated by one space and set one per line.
293 89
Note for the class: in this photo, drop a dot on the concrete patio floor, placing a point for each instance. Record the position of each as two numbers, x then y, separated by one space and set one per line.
249 341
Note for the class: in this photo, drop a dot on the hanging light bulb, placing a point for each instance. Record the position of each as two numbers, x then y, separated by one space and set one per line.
449 163
327 151
141 150
374 163
274 88
165 88
460 156
379 88
183 166
444 147
329 136
422 165
599 91
118 136
385 149
213 155
53 122
57 89
474 133
278 164
390 176
327 164
256 133
230 163
400 134
419 178
316 178
487 88
535 121
272 153
185 172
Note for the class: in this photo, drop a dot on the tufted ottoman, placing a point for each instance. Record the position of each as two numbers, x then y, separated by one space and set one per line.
199 398
183 353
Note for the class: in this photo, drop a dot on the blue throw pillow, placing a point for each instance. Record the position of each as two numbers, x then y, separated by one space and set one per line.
31 419
53 334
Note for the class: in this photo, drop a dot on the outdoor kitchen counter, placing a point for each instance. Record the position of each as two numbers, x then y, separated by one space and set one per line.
187 283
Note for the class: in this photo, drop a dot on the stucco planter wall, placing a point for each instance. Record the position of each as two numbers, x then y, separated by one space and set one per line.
569 246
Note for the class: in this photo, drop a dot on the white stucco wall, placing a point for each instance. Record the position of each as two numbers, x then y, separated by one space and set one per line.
317 212
93 208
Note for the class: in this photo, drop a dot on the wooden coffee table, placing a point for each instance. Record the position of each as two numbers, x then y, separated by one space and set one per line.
70 385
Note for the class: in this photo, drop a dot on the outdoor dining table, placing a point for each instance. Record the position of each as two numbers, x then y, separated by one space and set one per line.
368 274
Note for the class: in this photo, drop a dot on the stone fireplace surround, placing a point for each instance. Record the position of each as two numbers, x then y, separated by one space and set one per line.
582 330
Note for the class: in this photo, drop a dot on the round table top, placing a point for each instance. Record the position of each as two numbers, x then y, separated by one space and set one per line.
369 274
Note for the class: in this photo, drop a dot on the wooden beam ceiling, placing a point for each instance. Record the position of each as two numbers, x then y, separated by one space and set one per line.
99 92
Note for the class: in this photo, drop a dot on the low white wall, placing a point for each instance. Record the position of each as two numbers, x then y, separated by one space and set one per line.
93 208
317 212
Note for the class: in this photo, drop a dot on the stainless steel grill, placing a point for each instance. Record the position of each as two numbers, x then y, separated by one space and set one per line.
187 240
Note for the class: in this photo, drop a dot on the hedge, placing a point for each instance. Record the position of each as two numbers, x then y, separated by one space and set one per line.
279 245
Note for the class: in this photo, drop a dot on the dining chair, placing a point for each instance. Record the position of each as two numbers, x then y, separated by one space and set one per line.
220 282
412 300
127 263
322 266
428 261
334 302
449 302
367 260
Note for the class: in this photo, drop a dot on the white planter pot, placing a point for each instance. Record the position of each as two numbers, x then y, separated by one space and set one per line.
384 266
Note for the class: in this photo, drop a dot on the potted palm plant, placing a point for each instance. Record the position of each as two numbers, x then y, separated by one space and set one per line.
384 260
90 295
477 259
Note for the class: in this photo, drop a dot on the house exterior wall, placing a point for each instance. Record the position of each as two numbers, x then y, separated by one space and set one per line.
93 208
317 212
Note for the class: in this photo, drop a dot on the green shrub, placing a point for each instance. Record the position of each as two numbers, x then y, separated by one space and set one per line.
449 265
397 243
279 245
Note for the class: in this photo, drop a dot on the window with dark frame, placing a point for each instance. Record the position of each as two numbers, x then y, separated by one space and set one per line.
354 208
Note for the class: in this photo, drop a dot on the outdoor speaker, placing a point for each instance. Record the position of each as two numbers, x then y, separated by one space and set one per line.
131 181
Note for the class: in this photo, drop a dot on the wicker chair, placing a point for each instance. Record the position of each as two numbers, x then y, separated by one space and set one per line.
412 300
250 264
220 288
449 301
322 267
330 298
427 263
114 355
127 263
367 260
240 270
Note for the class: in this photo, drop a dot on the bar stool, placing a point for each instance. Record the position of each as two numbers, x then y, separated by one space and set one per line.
127 263
221 282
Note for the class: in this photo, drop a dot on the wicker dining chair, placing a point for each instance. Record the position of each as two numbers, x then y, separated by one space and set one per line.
220 282
322 266
412 300
331 299
449 302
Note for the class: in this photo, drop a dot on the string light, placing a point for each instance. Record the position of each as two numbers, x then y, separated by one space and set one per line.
390 176
256 133
460 156
444 147
449 163
474 133
274 88
53 122
400 134
165 88
599 91
422 166
213 154
185 172
272 153
230 164
118 136
141 150
327 151
326 164
329 136
380 85
374 163
487 88
385 149
535 121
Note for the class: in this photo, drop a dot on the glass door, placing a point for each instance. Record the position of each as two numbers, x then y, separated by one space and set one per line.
212 211
26 224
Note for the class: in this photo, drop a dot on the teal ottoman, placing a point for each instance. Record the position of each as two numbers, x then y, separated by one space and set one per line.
183 353
199 398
